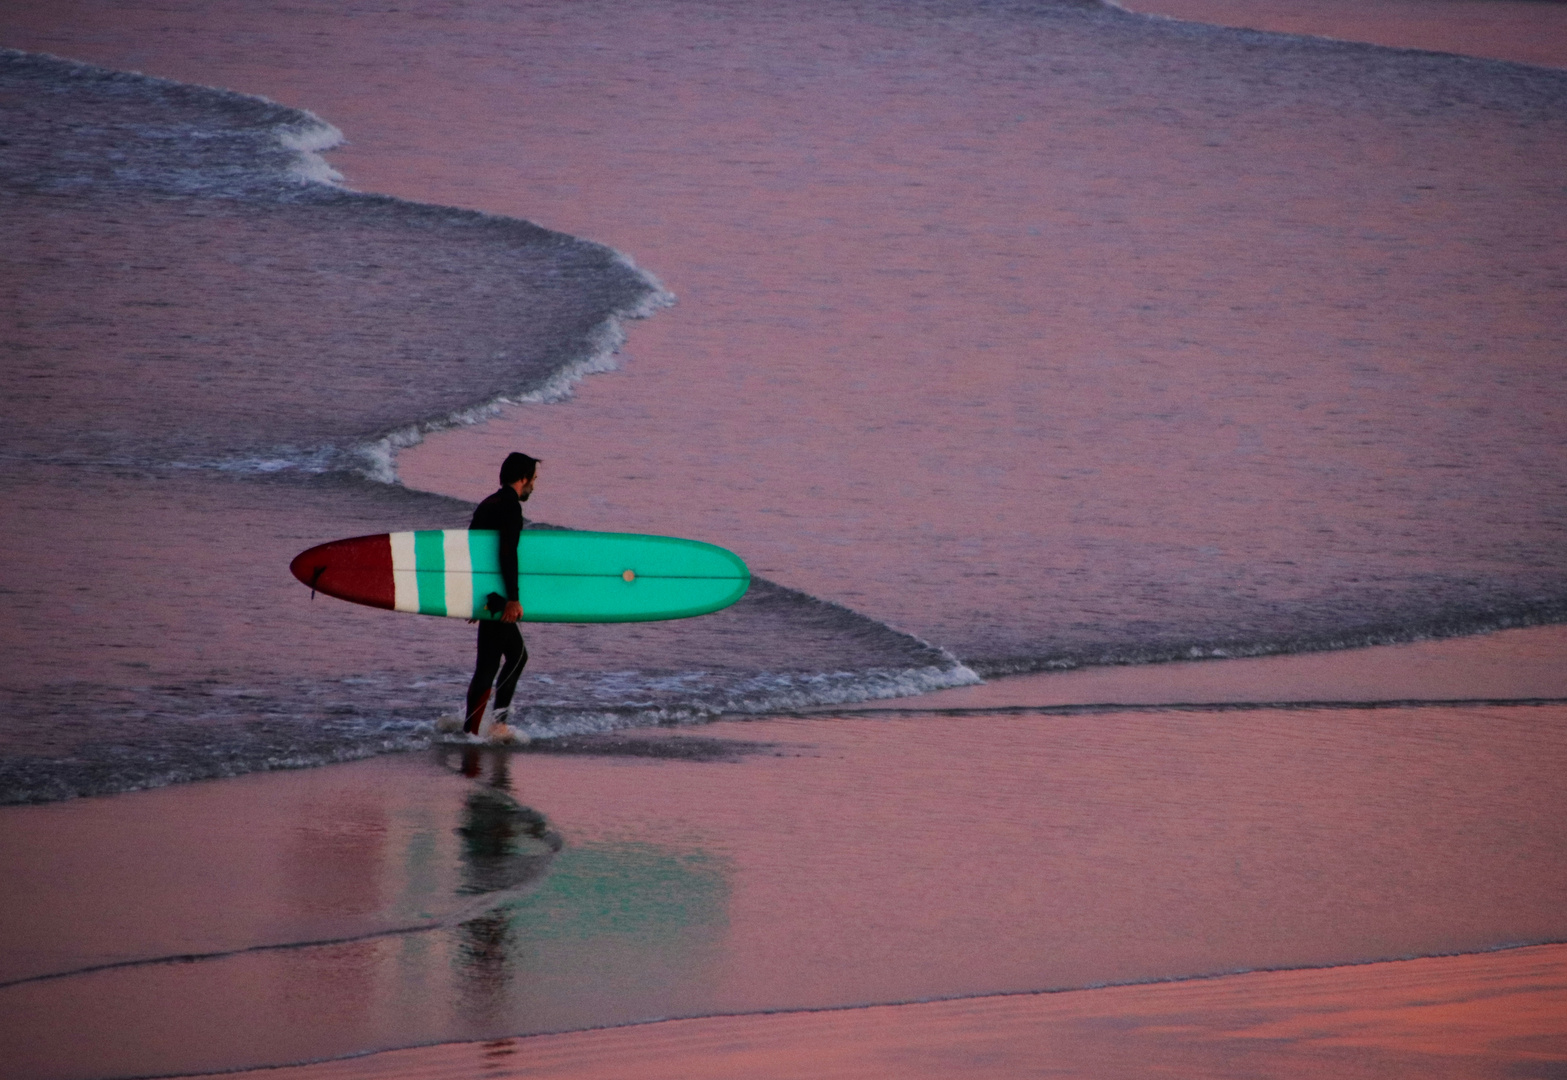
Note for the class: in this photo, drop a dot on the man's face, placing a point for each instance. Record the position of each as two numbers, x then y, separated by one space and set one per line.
527 486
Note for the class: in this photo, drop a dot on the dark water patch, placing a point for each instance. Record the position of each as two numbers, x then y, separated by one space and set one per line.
75 129
220 305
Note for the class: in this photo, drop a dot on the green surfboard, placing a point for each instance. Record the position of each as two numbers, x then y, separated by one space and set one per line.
563 576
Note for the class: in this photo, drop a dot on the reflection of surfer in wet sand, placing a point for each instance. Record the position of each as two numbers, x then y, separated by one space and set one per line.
506 847
501 649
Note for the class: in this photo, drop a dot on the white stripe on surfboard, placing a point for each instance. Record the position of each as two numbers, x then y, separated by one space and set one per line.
405 583
459 573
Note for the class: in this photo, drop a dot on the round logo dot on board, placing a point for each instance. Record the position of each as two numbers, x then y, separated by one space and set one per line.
629 575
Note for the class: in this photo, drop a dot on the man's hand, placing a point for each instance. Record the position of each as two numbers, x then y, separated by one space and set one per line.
512 613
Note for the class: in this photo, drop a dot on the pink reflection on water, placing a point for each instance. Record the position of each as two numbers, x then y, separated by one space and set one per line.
977 335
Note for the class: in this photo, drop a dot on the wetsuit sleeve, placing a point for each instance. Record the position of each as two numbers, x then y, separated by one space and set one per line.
510 533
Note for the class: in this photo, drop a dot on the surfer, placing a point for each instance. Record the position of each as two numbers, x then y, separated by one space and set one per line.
501 649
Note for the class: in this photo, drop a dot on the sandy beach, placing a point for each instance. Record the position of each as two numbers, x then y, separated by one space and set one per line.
1075 341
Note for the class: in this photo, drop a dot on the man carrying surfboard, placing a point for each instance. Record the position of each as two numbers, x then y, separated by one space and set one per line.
501 649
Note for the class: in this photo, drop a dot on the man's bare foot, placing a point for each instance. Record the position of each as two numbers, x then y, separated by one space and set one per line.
502 734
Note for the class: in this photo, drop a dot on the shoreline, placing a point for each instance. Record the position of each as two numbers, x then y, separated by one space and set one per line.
775 1045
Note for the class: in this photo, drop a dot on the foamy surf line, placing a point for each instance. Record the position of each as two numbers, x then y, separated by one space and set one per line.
282 728
153 735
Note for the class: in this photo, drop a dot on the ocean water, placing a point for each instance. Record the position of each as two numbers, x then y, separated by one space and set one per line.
1009 337
1518 30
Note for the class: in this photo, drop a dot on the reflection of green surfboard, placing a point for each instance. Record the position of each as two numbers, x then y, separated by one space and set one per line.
563 576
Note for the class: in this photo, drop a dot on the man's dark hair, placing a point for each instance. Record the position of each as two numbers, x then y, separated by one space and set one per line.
518 467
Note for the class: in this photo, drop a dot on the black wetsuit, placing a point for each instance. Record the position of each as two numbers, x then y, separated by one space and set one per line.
498 640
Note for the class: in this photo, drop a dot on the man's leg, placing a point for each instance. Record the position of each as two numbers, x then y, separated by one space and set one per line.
516 656
491 646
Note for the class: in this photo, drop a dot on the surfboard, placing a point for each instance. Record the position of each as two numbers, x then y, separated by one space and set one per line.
563 576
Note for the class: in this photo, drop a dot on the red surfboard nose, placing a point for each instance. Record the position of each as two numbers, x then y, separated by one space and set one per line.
309 566
358 570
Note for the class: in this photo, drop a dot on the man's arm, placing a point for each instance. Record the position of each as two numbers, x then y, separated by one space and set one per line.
510 536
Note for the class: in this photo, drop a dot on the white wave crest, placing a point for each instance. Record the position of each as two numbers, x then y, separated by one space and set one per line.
308 140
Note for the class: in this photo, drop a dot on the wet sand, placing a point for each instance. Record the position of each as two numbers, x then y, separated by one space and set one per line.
1465 1018
820 862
